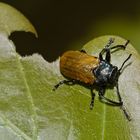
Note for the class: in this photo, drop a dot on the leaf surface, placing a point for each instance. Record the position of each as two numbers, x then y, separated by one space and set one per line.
30 110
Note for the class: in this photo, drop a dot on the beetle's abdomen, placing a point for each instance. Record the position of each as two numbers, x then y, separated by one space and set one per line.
79 66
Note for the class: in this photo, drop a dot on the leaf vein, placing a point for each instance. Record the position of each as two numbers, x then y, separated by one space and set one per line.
14 128
29 95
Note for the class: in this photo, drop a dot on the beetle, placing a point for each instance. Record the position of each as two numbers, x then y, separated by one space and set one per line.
80 67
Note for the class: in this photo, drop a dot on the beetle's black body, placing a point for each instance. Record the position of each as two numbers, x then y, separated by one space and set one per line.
80 67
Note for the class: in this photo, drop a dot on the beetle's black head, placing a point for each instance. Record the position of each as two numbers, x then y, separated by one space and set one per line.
106 73
114 75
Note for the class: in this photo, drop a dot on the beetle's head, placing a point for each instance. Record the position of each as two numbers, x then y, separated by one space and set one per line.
106 73
113 75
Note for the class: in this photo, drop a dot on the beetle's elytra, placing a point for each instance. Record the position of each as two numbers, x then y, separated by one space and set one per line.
79 67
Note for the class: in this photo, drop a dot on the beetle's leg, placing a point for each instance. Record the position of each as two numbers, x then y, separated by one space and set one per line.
122 106
108 55
107 50
101 96
118 93
83 51
120 103
120 46
92 98
68 82
124 62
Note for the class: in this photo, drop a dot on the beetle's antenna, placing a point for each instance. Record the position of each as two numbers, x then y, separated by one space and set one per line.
125 62
111 40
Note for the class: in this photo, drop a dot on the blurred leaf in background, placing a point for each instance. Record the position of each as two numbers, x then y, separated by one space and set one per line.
122 26
64 25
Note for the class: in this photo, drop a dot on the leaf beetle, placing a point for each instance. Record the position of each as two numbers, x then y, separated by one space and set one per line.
79 67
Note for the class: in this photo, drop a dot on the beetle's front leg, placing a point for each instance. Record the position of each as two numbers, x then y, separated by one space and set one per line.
107 50
120 46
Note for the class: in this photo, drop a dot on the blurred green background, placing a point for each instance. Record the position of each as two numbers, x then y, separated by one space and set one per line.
69 24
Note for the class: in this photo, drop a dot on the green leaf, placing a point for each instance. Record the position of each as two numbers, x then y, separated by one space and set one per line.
12 20
30 110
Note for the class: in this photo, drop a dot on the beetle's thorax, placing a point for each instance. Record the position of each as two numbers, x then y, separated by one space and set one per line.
106 73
